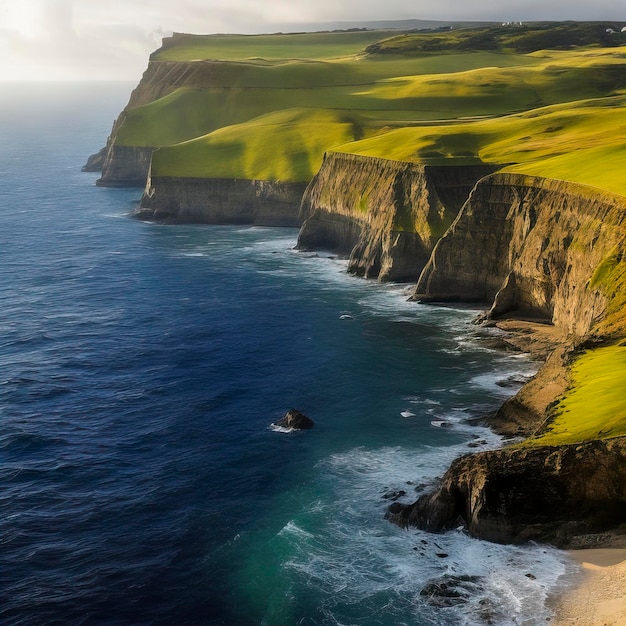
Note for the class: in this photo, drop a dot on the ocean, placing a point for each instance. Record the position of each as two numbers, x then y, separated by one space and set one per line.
142 366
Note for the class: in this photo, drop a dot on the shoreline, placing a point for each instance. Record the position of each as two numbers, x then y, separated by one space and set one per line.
597 594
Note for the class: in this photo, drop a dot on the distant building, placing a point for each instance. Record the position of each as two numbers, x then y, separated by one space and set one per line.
624 29
610 30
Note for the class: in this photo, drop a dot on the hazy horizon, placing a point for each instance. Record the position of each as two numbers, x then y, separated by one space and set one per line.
78 40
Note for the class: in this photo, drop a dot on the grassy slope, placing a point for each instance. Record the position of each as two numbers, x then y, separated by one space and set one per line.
595 406
322 45
582 142
545 141
243 91
286 145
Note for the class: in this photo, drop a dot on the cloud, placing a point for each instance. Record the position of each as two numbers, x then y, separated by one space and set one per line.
78 39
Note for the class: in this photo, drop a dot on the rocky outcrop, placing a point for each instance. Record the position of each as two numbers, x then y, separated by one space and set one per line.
529 246
569 496
221 201
386 215
125 166
295 420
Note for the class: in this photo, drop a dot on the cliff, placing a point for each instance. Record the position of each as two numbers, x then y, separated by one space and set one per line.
570 496
221 201
386 215
127 166
529 246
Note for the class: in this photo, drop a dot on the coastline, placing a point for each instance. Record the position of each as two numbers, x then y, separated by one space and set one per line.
598 597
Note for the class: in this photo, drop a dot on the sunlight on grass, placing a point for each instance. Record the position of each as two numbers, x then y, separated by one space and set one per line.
582 142
595 405
286 146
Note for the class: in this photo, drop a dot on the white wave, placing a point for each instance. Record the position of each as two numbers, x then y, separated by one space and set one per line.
440 423
346 552
281 429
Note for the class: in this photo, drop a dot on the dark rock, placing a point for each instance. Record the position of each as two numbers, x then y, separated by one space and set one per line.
515 380
296 420
556 495
449 591
95 161
477 443
394 494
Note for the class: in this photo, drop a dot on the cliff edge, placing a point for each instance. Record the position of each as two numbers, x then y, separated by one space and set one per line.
220 201
385 215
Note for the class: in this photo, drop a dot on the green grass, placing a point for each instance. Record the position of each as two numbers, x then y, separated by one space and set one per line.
527 38
238 92
595 405
610 278
286 146
272 98
583 142
322 45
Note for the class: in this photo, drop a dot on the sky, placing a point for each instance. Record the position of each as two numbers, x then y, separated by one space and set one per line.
111 39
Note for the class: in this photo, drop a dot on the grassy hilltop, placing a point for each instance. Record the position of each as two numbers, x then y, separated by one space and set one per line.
253 118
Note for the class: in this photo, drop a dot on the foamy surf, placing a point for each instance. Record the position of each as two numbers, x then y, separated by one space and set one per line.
350 556
281 429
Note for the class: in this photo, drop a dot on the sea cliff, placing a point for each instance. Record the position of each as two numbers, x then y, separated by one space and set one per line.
529 246
128 165
544 252
386 215
548 251
221 201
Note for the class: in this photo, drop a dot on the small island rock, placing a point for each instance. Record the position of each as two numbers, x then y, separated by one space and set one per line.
296 420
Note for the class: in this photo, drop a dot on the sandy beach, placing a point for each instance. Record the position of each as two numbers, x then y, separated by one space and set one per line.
599 598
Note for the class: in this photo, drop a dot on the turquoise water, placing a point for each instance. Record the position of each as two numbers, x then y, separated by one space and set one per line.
141 369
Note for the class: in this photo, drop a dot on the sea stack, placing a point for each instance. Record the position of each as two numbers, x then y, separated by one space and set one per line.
295 420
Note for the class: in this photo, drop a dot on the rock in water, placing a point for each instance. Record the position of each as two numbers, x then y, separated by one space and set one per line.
296 420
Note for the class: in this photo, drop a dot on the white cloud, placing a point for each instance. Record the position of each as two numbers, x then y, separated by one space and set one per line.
105 39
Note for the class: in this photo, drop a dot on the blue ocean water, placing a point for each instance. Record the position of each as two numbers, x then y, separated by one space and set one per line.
140 369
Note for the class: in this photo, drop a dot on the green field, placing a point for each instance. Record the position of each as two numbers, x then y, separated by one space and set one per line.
286 145
595 405
583 142
271 105
239 92
322 45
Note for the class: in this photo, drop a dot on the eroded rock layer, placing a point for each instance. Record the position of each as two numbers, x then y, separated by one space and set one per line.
387 215
529 246
221 201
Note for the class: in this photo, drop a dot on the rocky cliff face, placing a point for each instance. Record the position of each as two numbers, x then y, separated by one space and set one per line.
570 496
125 166
529 246
387 215
218 201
